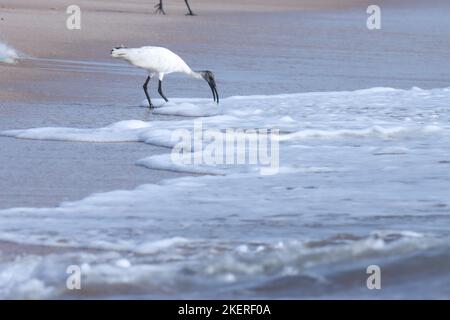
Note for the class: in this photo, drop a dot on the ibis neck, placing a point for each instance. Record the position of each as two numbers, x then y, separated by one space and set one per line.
196 74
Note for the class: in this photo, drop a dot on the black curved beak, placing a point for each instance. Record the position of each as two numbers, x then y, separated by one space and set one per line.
212 85
209 77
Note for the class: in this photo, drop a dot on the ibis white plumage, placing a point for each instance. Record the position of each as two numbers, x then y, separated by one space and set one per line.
159 62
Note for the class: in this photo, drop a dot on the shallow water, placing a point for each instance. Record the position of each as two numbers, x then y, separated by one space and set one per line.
353 189
363 175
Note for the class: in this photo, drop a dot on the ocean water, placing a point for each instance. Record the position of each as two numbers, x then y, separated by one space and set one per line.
363 180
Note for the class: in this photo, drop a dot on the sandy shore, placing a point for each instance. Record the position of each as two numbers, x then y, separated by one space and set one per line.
38 29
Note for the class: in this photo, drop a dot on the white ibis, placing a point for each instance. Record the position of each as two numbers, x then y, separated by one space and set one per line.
160 62
160 9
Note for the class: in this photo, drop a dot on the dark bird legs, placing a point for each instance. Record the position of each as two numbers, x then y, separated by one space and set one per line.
161 93
150 105
190 13
160 8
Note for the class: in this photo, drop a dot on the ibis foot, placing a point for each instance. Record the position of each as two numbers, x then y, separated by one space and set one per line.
159 8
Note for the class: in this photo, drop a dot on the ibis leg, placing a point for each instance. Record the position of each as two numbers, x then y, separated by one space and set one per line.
190 13
159 8
150 105
161 92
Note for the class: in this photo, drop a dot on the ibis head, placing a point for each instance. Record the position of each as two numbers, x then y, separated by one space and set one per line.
208 76
119 52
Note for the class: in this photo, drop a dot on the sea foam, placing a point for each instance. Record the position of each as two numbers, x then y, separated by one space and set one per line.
351 163
8 54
